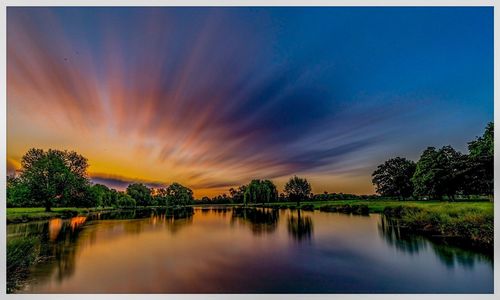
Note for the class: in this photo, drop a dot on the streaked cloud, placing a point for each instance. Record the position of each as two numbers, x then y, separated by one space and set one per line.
213 97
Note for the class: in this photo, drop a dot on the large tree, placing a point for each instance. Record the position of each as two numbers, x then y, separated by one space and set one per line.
178 195
297 189
260 191
140 193
54 177
393 178
439 172
481 153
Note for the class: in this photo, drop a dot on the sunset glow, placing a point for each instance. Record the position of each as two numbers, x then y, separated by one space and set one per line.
214 97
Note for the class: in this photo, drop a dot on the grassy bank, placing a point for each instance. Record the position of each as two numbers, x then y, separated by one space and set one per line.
28 214
456 223
376 206
22 253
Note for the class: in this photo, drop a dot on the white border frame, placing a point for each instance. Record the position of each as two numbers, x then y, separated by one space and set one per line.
3 140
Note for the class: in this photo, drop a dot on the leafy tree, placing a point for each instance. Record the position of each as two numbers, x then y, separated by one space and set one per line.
54 177
18 194
178 195
481 154
297 189
237 195
260 191
140 193
100 193
125 201
439 172
393 178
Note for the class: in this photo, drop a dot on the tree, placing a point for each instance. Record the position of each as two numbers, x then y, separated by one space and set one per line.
439 172
54 176
238 194
140 193
297 189
18 194
481 154
178 195
100 193
393 178
260 191
125 201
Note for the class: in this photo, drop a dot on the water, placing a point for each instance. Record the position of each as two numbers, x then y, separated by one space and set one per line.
260 251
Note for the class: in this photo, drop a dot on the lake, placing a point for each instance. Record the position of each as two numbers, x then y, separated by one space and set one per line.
224 250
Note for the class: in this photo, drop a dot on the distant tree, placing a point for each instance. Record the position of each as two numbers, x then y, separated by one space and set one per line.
297 189
125 201
439 172
160 197
100 193
393 178
481 154
260 191
237 194
53 177
111 198
140 193
179 195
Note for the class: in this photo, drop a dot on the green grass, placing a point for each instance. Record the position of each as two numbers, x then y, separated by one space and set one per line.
22 253
472 224
27 214
376 206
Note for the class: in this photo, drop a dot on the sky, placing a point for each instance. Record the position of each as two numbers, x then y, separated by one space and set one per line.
214 97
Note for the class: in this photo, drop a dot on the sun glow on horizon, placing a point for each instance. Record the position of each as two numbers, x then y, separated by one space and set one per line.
215 97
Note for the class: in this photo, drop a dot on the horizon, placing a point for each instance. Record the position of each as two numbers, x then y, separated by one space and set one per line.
214 97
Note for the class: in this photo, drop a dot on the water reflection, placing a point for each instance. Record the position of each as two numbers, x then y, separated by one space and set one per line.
59 240
408 242
300 227
214 251
260 220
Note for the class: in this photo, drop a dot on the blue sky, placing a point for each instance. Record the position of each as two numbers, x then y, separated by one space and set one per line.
213 97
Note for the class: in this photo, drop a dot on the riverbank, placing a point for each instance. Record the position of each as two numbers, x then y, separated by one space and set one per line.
472 226
27 214
30 214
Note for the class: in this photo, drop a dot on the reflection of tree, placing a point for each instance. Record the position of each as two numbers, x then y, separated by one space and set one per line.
260 220
300 227
409 242
452 256
175 224
58 240
399 238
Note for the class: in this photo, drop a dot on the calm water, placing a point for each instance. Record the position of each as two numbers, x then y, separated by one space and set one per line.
225 251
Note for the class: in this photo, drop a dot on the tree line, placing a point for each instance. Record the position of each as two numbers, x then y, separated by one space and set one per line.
440 173
56 178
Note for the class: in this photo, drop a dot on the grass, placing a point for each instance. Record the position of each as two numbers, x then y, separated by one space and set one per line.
470 224
377 206
22 253
27 214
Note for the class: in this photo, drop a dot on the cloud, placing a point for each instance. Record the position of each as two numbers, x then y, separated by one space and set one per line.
214 97
121 183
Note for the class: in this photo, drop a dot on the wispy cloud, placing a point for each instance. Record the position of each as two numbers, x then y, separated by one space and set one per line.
212 97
